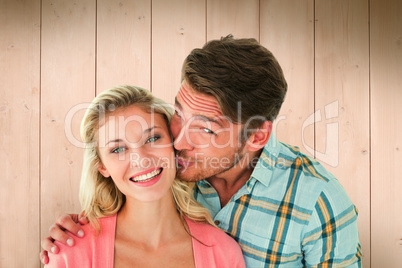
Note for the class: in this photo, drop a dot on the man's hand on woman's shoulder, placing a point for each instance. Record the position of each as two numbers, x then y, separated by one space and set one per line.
65 222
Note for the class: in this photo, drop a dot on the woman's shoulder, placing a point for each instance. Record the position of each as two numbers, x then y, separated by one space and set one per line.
86 248
107 225
213 245
209 234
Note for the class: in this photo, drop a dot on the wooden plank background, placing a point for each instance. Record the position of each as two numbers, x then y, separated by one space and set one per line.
342 60
19 133
386 133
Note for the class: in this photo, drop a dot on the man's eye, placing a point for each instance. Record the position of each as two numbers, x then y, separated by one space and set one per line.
207 130
153 138
118 150
177 113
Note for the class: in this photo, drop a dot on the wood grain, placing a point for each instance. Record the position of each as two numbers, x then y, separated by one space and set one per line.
287 30
123 43
342 97
19 133
68 79
178 26
237 17
342 61
386 132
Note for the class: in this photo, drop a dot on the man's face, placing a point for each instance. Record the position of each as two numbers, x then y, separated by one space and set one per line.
206 141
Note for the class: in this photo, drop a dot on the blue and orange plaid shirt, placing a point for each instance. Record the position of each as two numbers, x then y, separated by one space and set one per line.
290 213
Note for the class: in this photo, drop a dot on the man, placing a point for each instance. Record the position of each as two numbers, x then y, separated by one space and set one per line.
281 206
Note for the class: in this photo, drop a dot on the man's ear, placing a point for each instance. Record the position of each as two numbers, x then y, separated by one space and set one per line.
260 137
102 169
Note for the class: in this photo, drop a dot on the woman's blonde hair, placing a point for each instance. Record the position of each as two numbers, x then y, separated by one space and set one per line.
99 196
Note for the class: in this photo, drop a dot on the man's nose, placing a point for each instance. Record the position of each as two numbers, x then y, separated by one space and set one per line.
182 140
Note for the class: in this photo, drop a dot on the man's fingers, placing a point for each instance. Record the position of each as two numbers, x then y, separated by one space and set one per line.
43 257
69 223
82 219
47 245
57 233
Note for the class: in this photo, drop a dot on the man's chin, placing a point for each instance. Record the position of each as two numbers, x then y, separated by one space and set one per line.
187 175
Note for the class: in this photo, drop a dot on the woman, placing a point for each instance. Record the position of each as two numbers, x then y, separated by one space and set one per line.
140 215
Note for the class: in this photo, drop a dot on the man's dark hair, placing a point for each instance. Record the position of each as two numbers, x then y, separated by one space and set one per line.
242 75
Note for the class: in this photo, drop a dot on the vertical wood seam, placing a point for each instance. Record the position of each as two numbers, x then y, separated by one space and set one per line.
96 48
40 125
369 121
259 21
314 82
150 47
206 21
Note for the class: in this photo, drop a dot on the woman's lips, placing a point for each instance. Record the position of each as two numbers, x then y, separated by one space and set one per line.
147 177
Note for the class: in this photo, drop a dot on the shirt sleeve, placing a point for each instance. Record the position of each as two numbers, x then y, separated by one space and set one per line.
331 238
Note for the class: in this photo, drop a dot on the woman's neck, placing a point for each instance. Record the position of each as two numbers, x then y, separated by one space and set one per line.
149 224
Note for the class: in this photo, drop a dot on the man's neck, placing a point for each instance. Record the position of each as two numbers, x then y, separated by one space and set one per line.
229 182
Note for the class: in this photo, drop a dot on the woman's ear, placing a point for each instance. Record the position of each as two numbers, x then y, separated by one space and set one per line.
260 137
102 169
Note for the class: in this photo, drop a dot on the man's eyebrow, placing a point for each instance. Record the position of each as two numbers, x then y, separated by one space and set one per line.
200 116
209 119
176 102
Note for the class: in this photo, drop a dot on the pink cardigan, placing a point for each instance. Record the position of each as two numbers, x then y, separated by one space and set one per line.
91 251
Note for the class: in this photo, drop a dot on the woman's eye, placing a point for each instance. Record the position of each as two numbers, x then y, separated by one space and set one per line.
153 138
118 150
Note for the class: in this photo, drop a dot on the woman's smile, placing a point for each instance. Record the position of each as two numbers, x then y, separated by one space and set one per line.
147 178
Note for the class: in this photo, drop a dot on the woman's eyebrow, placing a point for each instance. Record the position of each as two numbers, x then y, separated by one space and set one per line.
148 130
116 140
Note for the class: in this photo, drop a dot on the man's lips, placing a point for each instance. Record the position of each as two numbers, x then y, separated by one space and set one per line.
184 163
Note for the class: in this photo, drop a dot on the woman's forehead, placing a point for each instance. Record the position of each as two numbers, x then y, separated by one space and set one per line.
133 116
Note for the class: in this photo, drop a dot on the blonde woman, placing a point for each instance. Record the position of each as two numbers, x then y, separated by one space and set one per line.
140 215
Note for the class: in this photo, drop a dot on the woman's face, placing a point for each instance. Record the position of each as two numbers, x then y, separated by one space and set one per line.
136 151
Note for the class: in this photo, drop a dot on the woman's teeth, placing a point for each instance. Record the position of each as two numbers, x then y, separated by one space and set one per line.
147 177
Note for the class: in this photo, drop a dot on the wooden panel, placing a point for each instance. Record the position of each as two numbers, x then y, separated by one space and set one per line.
287 30
386 132
178 26
342 97
19 132
129 41
237 17
68 78
123 43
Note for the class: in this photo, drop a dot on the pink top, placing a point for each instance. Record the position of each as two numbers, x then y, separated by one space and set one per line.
220 250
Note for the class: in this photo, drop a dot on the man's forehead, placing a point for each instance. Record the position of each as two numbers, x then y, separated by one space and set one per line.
189 99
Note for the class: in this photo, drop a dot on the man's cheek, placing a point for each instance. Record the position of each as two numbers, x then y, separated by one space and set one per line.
174 129
222 141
